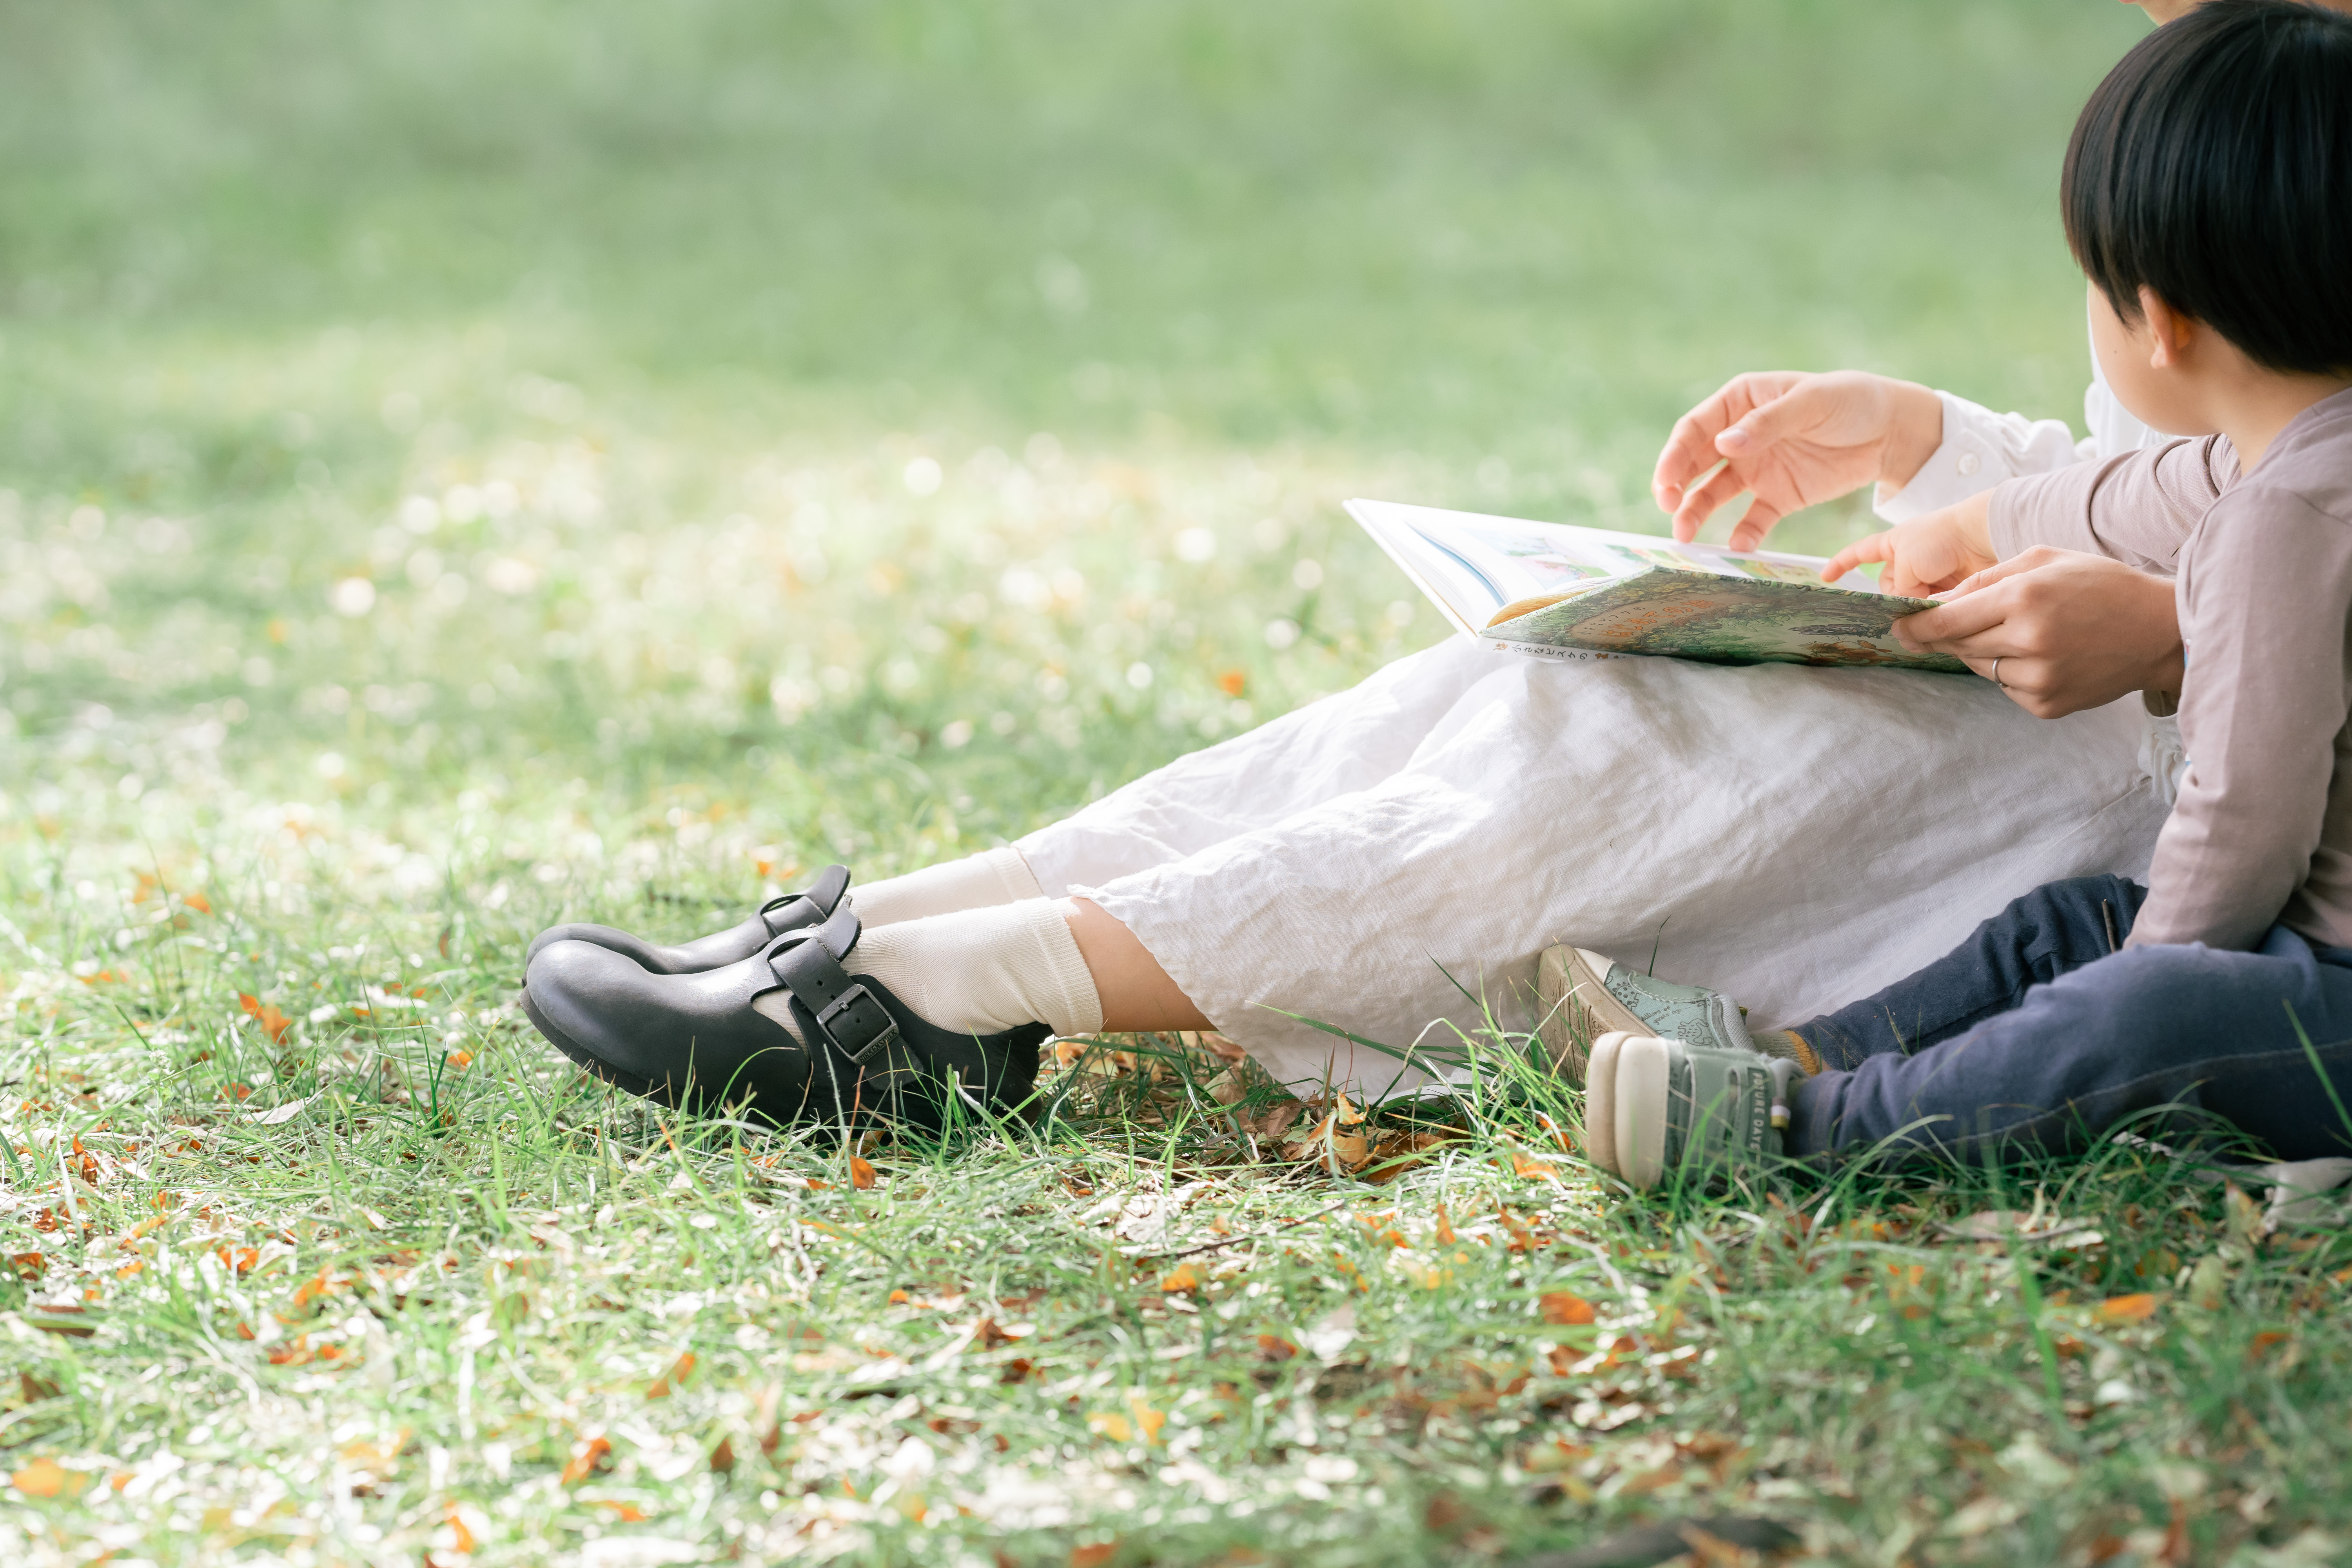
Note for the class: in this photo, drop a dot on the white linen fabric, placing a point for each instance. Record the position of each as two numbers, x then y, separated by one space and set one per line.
1795 837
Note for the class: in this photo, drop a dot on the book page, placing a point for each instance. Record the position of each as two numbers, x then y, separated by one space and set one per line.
1482 570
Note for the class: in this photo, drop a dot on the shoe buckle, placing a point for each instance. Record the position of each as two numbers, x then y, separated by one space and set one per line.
863 1055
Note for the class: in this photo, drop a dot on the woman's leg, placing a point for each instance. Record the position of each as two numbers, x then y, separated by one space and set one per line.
1136 993
1344 742
1711 824
2260 1040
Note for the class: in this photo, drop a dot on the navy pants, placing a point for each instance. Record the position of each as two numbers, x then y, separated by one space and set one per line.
2032 1037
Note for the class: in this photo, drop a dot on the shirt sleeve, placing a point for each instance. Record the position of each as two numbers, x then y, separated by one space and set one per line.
1980 450
2138 508
2262 611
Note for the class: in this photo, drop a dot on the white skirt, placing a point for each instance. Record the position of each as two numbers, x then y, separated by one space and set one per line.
1797 837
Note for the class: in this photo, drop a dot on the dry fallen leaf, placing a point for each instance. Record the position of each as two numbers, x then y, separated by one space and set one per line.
273 1023
861 1173
585 1457
1093 1555
1562 1307
48 1478
2136 1308
678 1374
1532 1168
1182 1278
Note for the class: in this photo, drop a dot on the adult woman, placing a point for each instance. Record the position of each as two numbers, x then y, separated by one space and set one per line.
1395 860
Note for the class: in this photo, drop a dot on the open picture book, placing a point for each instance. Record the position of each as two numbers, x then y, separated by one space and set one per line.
1562 592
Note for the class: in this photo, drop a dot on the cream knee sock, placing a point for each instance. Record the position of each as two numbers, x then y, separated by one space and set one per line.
977 971
991 877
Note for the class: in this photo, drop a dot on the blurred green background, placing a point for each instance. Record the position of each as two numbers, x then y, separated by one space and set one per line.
902 419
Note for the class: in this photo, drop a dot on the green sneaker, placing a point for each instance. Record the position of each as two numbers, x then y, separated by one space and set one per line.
1652 1106
1582 996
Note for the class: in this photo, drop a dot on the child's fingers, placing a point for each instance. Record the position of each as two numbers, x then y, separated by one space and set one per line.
1877 547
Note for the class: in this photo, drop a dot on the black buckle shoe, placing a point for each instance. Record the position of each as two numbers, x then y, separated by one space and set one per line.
695 1042
737 943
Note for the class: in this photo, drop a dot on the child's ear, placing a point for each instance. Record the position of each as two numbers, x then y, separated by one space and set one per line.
2170 331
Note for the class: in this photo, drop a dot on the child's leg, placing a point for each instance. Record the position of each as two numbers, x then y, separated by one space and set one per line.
2215 1032
2053 929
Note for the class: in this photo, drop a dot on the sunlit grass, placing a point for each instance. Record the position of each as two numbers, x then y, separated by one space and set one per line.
462 467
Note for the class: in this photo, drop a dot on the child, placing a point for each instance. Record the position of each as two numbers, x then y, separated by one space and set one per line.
2204 196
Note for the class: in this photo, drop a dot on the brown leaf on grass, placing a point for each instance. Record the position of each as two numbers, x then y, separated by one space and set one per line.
722 1457
273 1023
1445 1236
36 1389
48 1478
1559 1134
2248 1224
1182 1278
2136 1308
679 1371
586 1458
1274 1347
1094 1555
861 1173
624 1512
1532 1167
30 1265
1563 1307
767 1423
1224 1049
1277 1118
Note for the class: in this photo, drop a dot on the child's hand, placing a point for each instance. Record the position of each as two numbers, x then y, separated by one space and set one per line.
1931 554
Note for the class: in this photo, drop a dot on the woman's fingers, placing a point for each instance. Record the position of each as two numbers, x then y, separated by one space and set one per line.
1801 409
1710 497
1954 625
1690 449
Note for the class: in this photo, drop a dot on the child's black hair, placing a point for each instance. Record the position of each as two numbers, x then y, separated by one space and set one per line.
2214 165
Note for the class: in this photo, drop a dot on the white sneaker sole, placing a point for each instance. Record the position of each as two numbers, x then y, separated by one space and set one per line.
1576 1008
1625 1106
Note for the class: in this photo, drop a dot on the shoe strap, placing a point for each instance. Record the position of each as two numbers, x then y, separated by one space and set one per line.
786 913
849 1017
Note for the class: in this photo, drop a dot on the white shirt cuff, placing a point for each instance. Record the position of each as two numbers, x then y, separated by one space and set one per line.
1980 450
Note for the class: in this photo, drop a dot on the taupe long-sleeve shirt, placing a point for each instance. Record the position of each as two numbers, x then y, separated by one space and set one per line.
2261 833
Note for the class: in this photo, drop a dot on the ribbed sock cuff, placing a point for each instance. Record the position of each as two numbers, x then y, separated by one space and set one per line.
1066 975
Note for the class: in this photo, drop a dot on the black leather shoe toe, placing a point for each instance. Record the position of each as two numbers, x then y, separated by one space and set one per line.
737 943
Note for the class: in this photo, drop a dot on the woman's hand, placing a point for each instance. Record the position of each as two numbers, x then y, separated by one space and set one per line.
1931 554
1792 440
2070 630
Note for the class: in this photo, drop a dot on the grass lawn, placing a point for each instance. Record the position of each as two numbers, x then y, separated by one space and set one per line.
463 467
